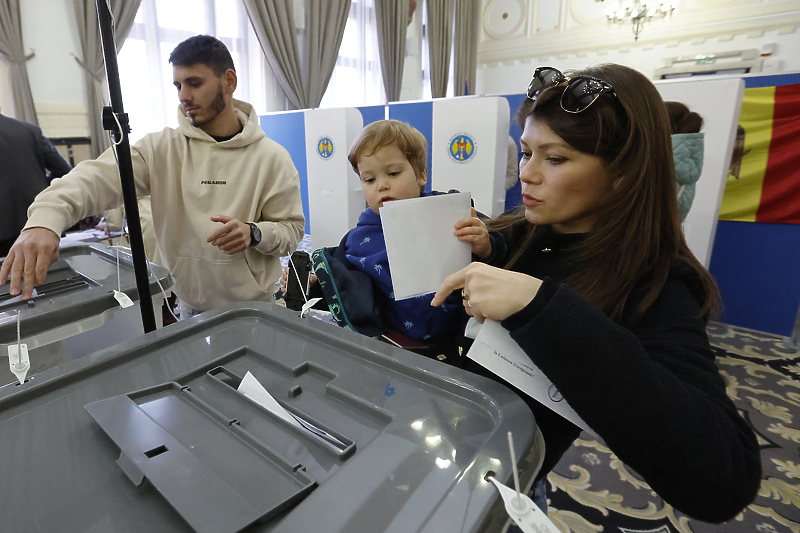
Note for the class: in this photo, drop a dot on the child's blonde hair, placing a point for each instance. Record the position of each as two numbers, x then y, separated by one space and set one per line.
391 132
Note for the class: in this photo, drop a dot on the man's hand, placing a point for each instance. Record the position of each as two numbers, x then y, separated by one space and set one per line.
232 237
33 252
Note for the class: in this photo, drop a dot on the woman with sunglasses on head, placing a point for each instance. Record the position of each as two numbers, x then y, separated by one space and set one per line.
599 288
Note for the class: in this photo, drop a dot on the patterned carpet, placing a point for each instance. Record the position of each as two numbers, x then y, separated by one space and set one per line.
591 491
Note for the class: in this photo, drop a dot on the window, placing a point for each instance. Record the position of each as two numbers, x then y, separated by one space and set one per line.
357 79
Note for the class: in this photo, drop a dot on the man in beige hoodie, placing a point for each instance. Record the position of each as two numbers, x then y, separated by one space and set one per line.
225 198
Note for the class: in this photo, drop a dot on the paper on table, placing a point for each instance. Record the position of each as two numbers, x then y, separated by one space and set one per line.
494 349
420 244
251 388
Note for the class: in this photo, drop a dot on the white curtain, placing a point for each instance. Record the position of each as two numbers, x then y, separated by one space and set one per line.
150 99
356 79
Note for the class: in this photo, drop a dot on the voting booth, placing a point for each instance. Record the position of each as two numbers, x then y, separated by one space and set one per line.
156 435
718 101
467 150
467 145
74 313
335 197
470 149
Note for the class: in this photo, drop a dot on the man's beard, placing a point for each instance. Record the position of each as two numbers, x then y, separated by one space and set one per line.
216 107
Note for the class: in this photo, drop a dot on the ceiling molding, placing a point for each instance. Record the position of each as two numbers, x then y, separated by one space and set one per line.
497 11
605 38
583 27
578 14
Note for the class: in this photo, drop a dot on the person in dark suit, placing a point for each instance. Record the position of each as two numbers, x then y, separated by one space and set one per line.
29 163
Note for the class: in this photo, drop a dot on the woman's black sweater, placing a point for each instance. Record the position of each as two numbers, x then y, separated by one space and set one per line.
648 387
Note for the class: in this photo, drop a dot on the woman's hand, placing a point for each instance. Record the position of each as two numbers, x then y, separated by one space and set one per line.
489 292
473 231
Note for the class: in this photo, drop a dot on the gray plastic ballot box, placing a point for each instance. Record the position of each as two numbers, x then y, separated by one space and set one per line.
153 435
74 312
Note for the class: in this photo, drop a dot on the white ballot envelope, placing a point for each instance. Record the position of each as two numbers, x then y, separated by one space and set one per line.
420 244
494 349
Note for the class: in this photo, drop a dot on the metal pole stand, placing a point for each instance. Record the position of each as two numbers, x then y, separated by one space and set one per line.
116 120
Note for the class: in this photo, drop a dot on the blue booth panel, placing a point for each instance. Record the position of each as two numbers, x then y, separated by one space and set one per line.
419 115
756 267
372 113
289 130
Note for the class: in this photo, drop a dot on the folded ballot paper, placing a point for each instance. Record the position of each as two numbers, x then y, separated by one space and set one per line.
254 390
494 349
420 243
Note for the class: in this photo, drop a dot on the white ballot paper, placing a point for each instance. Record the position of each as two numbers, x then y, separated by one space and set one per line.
496 350
420 244
254 390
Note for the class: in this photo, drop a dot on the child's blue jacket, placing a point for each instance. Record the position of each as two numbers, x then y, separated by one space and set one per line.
357 285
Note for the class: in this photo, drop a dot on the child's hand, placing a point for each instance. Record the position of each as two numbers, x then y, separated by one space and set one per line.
284 279
312 279
473 231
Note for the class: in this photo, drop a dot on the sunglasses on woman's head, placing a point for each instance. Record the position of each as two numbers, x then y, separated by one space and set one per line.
579 94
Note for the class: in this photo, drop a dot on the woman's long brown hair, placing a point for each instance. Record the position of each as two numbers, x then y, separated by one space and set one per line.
637 231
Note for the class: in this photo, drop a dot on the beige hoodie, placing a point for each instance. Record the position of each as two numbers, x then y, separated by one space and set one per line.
190 177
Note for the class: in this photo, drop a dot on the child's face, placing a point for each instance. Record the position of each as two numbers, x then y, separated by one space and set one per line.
387 175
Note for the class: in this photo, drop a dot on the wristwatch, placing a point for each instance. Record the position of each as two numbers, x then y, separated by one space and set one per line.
255 234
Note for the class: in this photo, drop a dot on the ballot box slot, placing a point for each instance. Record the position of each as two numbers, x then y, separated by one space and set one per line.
60 281
309 427
240 360
208 468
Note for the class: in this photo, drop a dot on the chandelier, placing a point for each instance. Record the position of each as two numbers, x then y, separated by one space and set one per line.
636 13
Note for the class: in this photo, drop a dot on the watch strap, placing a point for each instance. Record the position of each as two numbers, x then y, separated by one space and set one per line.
255 234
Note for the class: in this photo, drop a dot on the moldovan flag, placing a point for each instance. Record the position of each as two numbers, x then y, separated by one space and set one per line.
768 185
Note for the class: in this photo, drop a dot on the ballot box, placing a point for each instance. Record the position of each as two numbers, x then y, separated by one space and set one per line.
155 435
74 313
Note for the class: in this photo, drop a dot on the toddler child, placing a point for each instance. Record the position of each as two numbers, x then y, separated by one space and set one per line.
390 157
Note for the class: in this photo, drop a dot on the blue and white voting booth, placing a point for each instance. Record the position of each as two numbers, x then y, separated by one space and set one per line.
470 149
335 196
718 101
467 150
